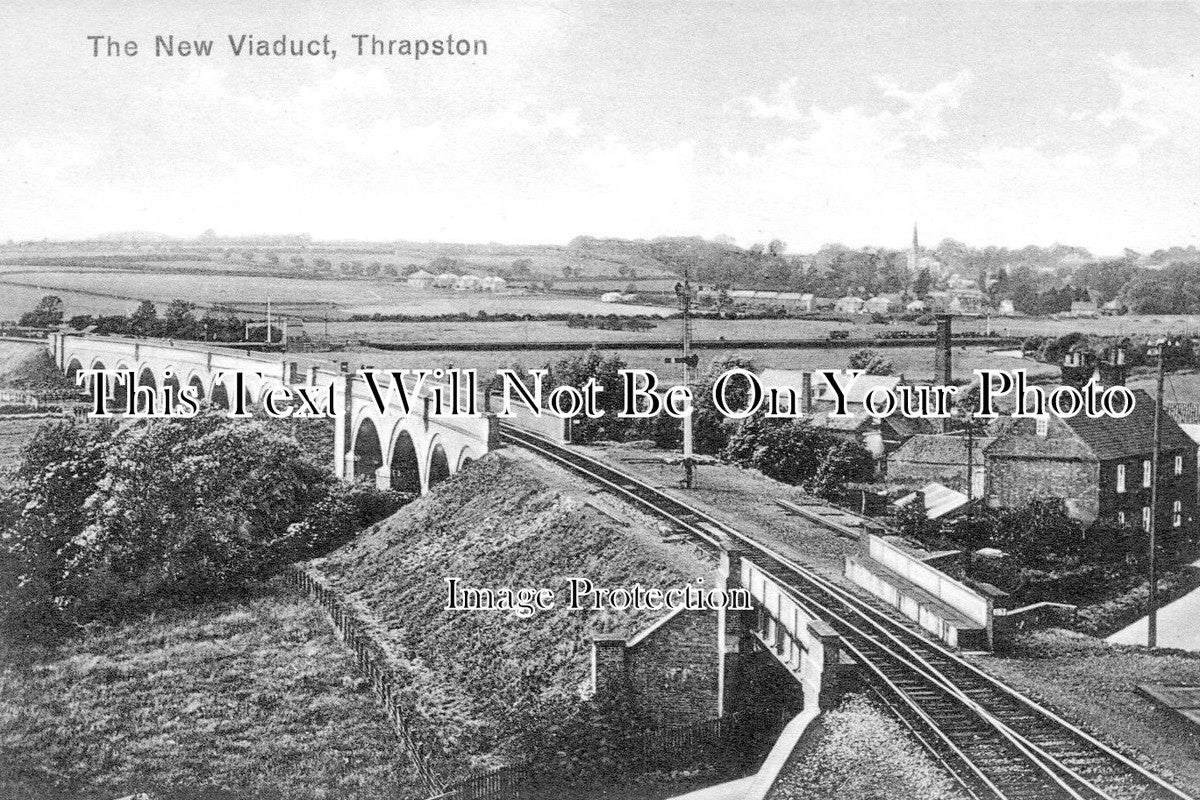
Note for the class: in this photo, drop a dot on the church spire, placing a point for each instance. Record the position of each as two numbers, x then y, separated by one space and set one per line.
915 245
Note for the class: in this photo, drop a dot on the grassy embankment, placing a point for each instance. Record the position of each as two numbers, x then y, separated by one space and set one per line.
24 366
247 698
507 521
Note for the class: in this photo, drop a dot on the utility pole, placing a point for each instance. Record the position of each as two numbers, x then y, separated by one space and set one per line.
1152 615
688 359
268 320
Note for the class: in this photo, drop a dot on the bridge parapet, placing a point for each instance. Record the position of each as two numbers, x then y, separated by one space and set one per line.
801 641
944 606
377 441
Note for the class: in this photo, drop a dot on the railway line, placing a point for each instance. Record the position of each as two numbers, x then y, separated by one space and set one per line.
996 742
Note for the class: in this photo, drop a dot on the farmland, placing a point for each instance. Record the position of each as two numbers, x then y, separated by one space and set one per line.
113 291
243 697
916 363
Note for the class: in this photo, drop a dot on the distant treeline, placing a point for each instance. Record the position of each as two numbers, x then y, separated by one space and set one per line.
178 322
1036 280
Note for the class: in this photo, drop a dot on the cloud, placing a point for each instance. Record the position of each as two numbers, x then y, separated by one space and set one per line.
840 133
783 106
925 111
1161 103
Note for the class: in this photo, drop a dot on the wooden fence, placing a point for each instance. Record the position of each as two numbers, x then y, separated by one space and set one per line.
652 749
370 659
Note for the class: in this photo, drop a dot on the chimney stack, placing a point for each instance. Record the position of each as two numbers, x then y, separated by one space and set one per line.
942 370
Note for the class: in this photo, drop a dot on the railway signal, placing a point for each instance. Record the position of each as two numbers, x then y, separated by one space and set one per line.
688 361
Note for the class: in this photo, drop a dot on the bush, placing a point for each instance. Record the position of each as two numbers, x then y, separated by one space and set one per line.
102 518
345 509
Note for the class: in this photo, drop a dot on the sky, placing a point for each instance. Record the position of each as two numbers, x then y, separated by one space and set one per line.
993 123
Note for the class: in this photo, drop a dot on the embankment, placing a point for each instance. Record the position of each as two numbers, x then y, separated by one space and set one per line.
506 521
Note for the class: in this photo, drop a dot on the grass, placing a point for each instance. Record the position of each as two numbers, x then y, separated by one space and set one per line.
506 521
857 752
249 698
1092 684
120 290
14 435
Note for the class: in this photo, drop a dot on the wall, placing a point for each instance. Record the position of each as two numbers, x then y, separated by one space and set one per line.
672 672
1013 482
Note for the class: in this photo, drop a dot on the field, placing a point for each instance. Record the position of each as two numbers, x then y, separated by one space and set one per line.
915 363
115 291
252 698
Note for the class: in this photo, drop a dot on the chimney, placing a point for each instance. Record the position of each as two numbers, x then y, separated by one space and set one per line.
942 371
1078 366
1113 371
806 399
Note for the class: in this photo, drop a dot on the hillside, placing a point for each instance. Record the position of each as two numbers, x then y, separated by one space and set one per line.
506 521
248 698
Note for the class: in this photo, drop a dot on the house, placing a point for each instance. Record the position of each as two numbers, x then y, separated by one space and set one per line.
850 304
1084 308
815 400
943 459
467 283
878 305
493 283
421 279
446 280
966 301
824 397
917 305
1101 467
1007 309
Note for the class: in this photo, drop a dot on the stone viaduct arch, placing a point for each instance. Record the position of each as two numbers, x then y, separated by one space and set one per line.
408 452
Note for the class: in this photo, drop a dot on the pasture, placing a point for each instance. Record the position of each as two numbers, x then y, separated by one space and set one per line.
915 363
114 291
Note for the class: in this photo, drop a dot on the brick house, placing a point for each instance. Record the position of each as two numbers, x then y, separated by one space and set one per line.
1100 467
940 458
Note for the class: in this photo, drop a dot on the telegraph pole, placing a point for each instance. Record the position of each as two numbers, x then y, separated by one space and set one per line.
689 360
1152 616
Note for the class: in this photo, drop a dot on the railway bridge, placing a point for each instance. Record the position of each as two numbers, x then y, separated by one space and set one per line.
406 451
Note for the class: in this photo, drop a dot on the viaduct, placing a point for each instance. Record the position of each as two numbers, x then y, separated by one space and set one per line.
409 452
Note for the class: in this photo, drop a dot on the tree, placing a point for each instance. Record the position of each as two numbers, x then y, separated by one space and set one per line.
48 313
710 428
786 450
845 462
42 512
104 517
577 371
522 268
144 320
913 522
922 282
870 362
180 320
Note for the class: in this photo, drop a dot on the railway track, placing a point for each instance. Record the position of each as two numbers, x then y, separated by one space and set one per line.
995 742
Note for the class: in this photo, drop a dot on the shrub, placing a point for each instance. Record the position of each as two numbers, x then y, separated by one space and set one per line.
103 517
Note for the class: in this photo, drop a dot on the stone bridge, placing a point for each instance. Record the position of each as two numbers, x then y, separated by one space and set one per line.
410 452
